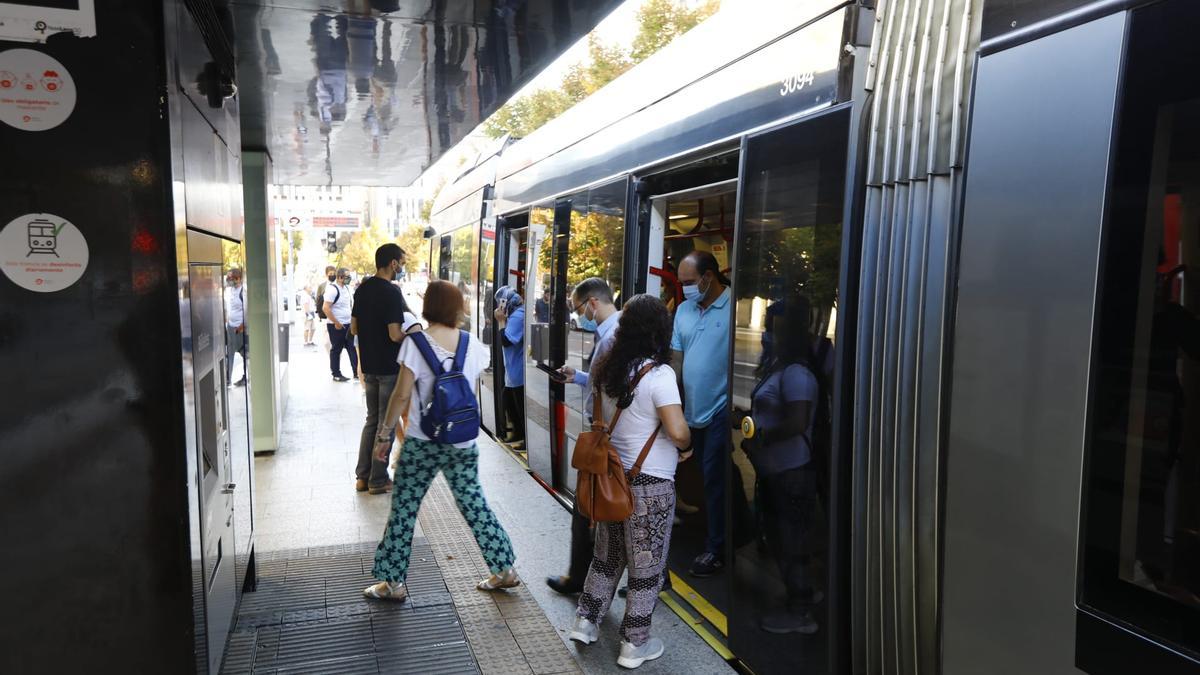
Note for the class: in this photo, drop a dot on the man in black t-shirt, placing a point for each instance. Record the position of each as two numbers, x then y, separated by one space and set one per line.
378 321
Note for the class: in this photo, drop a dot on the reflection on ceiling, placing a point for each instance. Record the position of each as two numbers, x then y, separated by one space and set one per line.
372 92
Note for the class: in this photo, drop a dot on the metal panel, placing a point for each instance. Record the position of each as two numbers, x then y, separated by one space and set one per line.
921 55
739 94
1030 235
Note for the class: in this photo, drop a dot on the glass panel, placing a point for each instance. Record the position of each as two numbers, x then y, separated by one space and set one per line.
786 293
1142 516
596 248
486 324
463 269
538 405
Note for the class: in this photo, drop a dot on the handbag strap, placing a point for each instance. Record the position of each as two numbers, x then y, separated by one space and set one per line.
637 466
598 413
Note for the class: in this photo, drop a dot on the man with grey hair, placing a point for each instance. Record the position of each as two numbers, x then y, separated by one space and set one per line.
339 301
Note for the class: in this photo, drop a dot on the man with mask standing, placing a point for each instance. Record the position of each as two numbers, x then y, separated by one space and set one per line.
337 304
592 303
700 356
378 324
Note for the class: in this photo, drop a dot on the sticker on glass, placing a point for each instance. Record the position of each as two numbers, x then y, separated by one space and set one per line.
36 91
42 252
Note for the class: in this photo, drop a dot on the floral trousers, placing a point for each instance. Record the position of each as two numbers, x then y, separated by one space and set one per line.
640 543
420 462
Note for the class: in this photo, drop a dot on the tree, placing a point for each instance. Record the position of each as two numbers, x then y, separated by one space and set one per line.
358 254
661 21
412 240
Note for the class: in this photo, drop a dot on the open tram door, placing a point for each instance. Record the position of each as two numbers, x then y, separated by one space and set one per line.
785 612
507 392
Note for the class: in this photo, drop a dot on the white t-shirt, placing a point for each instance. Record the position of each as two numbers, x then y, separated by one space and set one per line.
640 419
235 306
343 302
478 358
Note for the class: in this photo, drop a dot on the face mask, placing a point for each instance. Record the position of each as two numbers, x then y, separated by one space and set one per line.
692 292
585 323
332 277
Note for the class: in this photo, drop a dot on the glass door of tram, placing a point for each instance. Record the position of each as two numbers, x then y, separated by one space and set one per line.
787 264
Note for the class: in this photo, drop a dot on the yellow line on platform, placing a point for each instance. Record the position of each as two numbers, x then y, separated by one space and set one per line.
697 601
697 624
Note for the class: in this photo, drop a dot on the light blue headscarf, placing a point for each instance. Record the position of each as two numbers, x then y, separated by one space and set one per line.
507 294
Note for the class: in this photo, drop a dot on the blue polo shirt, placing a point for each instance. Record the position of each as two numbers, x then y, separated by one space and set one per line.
703 337
513 346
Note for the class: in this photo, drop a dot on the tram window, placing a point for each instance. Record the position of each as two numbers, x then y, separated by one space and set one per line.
693 223
464 252
1141 544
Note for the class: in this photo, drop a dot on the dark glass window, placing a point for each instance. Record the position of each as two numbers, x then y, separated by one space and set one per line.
1141 543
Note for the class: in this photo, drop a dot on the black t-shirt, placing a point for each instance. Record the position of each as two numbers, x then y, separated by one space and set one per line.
376 304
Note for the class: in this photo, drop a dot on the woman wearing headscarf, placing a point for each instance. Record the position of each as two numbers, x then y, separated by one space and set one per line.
510 325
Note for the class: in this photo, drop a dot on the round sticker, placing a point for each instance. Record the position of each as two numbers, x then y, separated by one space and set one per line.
42 252
36 91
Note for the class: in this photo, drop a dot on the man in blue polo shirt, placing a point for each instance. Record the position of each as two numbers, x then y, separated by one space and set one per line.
700 344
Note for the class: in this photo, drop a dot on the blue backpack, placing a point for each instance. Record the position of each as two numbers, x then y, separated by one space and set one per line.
451 415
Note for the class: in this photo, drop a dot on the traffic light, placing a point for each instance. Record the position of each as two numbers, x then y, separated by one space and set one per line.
331 242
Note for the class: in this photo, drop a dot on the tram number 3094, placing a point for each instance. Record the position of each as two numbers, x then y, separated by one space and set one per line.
794 83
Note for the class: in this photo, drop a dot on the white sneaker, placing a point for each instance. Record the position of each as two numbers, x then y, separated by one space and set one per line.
632 657
584 631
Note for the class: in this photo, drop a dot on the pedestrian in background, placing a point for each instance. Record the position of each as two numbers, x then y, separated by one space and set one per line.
309 306
339 303
236 338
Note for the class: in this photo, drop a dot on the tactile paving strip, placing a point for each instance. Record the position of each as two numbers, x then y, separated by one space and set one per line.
308 614
507 630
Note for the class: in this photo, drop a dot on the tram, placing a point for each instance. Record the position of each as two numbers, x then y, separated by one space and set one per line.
988 209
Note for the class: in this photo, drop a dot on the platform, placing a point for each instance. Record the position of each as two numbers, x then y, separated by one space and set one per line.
315 538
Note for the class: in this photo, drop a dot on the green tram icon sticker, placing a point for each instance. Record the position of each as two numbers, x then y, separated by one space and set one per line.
42 252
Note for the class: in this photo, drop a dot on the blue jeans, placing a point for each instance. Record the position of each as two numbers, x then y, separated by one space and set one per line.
712 446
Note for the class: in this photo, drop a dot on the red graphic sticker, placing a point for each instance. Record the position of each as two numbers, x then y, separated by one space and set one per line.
7 80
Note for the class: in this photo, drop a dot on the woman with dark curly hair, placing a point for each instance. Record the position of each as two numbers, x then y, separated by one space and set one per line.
636 376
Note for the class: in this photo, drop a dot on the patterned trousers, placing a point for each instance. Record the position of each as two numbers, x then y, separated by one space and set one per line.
420 461
640 543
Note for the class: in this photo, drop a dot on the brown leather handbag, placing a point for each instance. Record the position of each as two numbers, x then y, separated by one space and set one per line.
602 491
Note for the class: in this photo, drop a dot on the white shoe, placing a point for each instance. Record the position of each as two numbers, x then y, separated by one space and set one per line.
584 631
632 657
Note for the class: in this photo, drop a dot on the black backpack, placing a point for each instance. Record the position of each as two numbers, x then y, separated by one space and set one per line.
321 299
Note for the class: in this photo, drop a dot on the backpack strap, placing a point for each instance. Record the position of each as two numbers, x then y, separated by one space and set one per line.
460 354
596 411
426 350
637 466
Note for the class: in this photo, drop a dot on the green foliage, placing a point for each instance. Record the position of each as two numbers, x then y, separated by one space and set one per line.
356 250
659 22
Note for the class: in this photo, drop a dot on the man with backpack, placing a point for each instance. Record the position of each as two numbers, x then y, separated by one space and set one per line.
378 323
337 306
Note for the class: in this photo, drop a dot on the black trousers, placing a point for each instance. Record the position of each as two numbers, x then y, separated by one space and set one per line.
514 412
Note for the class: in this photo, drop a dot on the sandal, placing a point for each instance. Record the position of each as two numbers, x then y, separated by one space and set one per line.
386 590
506 579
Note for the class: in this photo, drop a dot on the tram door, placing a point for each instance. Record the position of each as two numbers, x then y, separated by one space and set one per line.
787 261
508 360
540 403
489 393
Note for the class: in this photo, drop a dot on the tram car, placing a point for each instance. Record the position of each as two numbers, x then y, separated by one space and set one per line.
989 210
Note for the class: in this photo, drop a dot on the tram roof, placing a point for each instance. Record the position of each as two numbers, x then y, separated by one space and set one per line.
719 80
